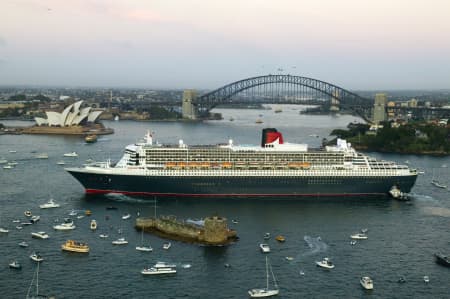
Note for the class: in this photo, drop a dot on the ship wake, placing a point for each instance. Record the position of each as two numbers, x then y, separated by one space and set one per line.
315 245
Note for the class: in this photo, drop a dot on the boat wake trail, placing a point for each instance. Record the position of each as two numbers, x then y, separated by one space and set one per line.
422 197
315 245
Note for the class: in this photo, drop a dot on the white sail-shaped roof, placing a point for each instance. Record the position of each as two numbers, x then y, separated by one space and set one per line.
65 113
41 121
82 115
54 118
94 115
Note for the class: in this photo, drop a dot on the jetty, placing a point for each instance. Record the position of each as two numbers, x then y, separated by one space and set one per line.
214 231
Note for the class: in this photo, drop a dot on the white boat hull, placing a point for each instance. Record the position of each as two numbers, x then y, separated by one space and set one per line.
260 293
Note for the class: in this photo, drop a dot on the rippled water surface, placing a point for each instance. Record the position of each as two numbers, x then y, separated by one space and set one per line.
402 236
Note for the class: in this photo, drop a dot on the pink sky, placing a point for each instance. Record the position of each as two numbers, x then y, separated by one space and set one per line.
357 44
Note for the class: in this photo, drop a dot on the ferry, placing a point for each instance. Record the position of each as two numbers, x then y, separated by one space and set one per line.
160 268
75 246
272 169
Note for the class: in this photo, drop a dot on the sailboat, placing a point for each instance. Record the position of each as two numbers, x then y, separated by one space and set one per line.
258 293
29 296
142 247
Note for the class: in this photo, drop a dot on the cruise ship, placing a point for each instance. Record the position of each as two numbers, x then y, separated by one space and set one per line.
274 168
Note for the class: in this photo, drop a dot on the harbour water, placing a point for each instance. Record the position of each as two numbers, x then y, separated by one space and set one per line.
402 235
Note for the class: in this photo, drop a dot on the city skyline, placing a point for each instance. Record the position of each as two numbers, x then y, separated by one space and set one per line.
373 45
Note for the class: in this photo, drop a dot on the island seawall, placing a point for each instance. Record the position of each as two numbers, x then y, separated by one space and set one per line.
215 230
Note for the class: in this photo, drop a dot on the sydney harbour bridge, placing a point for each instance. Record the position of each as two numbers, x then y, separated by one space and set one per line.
280 89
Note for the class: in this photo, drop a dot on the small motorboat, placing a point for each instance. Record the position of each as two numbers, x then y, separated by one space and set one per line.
366 282
280 238
28 213
353 242
103 236
359 236
50 204
325 263
234 221
36 257
167 245
266 236
401 279
61 163
8 167
64 226
40 235
442 259
4 230
72 154
15 265
120 241
35 219
23 244
88 212
73 213
289 258
93 224
264 247
126 216
16 221
426 279
42 156
19 227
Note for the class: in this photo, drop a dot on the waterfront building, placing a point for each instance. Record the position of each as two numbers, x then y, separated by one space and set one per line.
72 115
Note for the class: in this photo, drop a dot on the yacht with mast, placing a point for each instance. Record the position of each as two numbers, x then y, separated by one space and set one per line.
266 292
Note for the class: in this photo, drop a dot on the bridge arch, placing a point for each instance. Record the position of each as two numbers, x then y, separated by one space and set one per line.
346 98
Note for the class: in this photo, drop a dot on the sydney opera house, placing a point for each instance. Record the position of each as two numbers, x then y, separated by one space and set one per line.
71 116
74 120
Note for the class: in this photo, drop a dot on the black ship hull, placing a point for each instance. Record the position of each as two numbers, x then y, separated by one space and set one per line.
237 186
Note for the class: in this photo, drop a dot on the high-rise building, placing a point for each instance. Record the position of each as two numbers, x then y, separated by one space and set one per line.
379 108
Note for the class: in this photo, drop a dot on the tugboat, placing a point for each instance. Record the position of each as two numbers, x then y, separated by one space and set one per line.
442 259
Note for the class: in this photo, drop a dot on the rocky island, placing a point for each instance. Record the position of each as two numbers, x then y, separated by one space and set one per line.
212 230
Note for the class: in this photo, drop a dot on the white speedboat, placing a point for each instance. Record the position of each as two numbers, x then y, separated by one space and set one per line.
426 279
61 163
103 236
266 292
366 282
36 257
50 204
160 268
359 236
23 244
72 154
126 216
8 167
64 226
167 245
73 213
325 263
27 213
40 235
4 230
120 241
266 236
93 224
15 265
264 247
35 218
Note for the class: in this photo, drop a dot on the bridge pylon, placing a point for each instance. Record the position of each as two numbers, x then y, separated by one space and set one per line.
188 107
